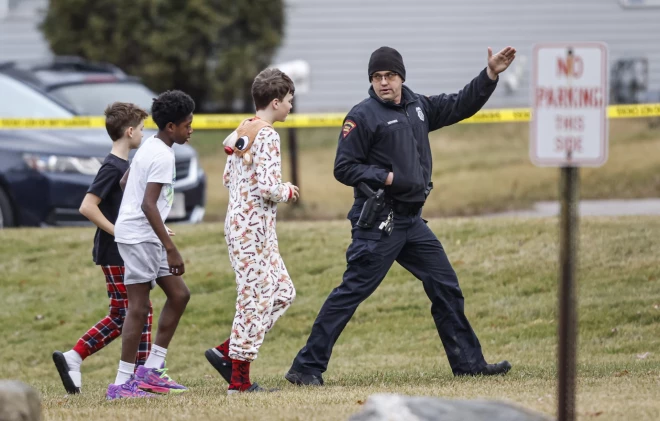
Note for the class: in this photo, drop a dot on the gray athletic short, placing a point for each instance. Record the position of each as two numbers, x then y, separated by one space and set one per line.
144 262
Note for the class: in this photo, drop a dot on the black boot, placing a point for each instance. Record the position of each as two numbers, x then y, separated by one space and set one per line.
303 379
500 368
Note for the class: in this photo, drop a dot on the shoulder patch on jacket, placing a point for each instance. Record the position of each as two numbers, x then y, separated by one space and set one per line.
420 113
349 125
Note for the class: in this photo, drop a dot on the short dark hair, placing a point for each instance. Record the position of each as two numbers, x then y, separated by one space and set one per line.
171 107
269 85
119 116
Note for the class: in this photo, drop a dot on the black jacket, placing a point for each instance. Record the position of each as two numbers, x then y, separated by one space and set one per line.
378 137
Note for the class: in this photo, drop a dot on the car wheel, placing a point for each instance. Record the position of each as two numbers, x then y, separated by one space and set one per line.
6 212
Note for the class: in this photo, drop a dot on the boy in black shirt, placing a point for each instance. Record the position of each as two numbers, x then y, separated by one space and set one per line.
124 123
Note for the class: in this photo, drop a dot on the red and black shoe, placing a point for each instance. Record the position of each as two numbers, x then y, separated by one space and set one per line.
254 388
220 362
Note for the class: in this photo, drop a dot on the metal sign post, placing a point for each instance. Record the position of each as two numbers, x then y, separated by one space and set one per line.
567 303
568 130
299 72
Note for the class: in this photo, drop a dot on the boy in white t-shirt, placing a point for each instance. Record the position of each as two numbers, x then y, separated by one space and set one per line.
148 251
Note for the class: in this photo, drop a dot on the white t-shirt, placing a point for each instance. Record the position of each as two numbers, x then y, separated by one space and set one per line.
153 163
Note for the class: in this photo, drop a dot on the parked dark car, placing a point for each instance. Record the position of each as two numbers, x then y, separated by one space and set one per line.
44 174
86 87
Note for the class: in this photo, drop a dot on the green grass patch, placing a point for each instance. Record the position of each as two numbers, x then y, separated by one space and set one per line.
52 293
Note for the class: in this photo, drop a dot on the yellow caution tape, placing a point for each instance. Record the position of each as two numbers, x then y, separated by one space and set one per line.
231 121
500 116
52 123
525 114
635 110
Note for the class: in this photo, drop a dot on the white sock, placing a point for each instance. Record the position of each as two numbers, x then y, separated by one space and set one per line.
125 372
156 357
73 360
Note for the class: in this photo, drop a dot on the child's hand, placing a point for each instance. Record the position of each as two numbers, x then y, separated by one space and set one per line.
169 231
175 261
295 192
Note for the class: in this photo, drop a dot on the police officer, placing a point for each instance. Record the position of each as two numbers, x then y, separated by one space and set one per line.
384 144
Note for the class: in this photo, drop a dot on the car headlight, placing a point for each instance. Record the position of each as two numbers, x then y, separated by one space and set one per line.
63 164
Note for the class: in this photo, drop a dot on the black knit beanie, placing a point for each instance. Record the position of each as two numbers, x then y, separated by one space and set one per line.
386 59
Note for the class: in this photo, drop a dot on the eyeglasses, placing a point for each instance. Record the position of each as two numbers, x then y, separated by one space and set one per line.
389 76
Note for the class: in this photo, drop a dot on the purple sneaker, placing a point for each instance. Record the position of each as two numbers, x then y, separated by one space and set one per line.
156 380
130 389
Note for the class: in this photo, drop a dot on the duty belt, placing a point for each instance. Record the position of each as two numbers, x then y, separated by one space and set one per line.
405 208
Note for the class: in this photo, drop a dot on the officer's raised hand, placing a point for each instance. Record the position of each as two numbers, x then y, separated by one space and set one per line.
497 63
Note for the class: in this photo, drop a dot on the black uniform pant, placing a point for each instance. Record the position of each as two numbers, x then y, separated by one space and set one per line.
370 255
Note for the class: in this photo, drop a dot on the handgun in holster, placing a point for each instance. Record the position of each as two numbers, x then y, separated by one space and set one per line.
372 207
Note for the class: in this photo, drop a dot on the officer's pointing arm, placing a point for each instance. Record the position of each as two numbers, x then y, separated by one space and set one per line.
352 151
445 110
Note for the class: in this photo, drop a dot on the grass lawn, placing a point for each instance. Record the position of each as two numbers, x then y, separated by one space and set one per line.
52 292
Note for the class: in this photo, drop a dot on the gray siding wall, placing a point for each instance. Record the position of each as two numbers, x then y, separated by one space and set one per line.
443 43
20 37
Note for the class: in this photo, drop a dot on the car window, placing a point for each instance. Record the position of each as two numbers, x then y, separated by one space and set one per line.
18 100
93 98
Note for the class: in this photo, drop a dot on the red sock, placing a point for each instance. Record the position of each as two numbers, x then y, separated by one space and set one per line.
240 375
224 349
81 349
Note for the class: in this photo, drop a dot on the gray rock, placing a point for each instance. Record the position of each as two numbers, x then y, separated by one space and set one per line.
19 402
389 407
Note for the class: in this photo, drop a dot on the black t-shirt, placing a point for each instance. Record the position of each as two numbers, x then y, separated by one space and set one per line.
106 187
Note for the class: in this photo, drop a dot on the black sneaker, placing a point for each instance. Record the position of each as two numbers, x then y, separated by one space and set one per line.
255 388
63 369
303 379
218 362
500 368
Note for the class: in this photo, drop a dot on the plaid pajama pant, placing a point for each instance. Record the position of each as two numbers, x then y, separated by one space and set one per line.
109 328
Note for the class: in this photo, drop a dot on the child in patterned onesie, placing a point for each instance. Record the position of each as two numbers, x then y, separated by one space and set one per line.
253 176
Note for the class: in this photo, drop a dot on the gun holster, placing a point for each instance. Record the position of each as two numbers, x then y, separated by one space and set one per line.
372 207
428 189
